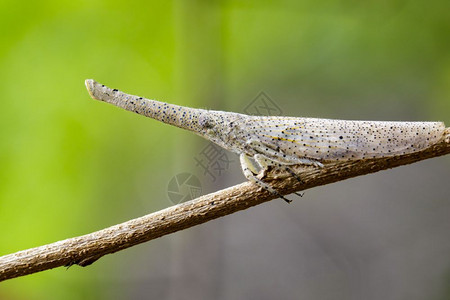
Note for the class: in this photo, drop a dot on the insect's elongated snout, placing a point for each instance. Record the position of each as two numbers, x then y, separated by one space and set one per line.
180 116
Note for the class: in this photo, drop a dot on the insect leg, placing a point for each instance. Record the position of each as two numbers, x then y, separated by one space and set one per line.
249 170
264 162
298 179
278 156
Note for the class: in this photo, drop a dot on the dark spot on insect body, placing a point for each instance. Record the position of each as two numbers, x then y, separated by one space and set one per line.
115 90
341 137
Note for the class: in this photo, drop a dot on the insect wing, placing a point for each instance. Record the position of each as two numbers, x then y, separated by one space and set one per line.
328 139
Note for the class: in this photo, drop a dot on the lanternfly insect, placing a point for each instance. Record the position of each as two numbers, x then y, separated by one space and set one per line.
281 142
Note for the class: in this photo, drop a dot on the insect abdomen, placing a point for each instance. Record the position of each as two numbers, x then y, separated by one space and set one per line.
330 140
363 139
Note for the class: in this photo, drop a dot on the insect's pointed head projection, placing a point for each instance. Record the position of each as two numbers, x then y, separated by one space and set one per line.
214 125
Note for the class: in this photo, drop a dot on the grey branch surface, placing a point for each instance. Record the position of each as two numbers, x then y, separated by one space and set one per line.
86 249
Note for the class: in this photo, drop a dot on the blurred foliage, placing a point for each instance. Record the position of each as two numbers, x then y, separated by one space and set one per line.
70 165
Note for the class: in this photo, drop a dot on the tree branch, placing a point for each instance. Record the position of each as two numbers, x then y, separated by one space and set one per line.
86 249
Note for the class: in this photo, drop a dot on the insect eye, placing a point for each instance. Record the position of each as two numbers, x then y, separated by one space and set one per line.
205 122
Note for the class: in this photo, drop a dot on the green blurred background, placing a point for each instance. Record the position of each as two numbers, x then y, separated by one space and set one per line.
70 165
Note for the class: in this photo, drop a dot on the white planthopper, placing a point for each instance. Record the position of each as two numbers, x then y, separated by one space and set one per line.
282 142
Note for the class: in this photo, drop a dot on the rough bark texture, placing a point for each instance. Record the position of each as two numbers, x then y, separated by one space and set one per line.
86 249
